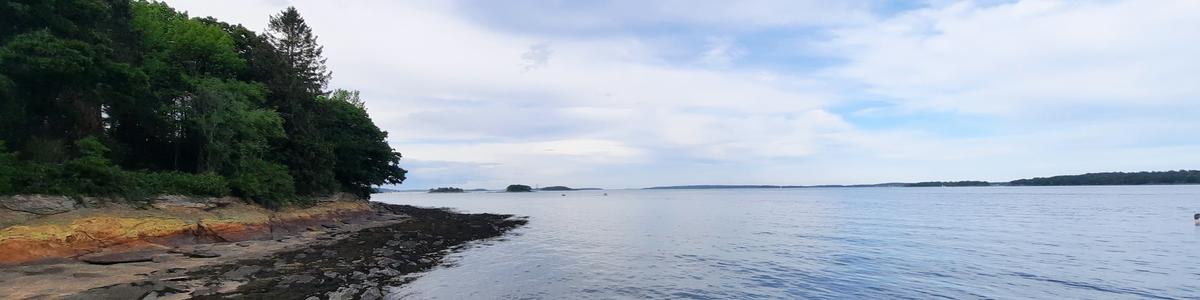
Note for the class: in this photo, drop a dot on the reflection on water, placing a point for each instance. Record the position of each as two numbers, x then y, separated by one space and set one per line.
918 243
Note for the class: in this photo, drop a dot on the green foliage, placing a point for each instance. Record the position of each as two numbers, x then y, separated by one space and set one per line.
1117 178
265 183
179 183
446 190
518 188
91 89
948 183
363 157
8 170
92 173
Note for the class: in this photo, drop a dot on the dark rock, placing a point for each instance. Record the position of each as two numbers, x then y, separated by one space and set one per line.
330 226
161 258
120 257
200 254
302 278
371 294
243 244
38 204
50 270
120 291
241 272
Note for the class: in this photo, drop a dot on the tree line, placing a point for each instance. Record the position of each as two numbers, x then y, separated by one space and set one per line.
1117 178
133 98
948 183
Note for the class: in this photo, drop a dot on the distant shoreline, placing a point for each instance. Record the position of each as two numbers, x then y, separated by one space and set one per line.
746 187
1180 177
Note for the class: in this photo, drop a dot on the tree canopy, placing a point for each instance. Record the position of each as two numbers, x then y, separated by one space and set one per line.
518 188
120 97
1117 178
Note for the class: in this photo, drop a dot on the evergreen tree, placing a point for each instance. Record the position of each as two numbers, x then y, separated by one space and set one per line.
309 158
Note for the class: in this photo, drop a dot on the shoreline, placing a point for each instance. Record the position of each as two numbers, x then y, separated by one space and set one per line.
357 258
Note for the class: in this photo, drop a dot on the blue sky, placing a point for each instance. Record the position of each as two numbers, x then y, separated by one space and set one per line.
643 93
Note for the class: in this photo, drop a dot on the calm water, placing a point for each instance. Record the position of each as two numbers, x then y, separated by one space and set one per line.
914 243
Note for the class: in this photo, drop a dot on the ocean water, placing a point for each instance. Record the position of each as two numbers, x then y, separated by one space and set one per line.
1127 242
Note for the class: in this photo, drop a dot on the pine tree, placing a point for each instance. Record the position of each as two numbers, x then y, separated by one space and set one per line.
301 54
294 91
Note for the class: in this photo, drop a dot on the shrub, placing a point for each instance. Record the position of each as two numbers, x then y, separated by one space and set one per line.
93 174
177 183
8 171
265 183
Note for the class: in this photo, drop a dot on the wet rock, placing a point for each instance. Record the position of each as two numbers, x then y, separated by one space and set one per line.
198 253
136 290
50 270
120 257
87 275
161 258
329 253
241 272
371 294
302 278
344 293
38 204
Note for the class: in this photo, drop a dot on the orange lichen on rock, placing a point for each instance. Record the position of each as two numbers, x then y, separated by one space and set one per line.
84 231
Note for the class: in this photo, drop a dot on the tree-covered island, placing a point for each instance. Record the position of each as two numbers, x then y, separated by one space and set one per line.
518 188
446 190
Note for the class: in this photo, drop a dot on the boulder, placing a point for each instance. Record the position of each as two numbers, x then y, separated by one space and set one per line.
38 204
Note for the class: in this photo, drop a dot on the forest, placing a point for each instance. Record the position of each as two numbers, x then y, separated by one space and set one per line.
1117 178
948 183
129 99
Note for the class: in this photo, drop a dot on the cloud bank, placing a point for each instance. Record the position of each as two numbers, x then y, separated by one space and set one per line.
634 93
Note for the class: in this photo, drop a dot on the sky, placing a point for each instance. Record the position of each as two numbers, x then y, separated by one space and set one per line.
628 94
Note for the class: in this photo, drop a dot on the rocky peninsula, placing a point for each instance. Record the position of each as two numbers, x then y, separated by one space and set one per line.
209 248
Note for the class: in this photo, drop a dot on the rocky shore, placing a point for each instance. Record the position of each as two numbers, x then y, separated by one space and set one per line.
356 257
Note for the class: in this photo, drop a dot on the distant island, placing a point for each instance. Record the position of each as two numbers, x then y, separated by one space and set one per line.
563 188
1116 178
948 183
726 186
446 190
518 188
1107 178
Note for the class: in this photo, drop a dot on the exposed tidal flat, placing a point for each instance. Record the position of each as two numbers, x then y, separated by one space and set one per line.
1103 242
339 250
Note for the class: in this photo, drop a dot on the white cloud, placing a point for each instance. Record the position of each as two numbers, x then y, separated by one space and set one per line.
1028 56
1071 85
